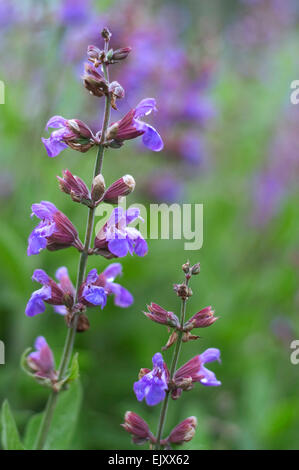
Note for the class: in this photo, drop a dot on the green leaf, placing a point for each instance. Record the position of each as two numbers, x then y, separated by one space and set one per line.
32 430
63 423
10 436
74 369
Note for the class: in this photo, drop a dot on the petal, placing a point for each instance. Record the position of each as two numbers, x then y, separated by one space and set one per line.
112 271
95 295
122 297
61 272
44 210
116 215
141 247
209 379
36 304
132 214
92 276
53 146
155 394
118 247
210 355
40 276
46 359
158 360
145 107
56 122
40 342
132 233
140 388
36 243
152 139
61 309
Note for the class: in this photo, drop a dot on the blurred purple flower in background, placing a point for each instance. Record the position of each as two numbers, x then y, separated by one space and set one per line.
74 12
279 176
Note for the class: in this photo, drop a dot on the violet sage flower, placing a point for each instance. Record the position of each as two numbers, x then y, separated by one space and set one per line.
41 361
116 239
59 294
194 371
131 126
153 385
97 287
71 133
54 232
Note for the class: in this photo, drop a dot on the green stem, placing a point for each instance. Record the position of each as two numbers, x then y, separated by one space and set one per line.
70 338
174 362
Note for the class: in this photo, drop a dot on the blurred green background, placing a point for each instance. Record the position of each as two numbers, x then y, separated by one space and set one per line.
249 264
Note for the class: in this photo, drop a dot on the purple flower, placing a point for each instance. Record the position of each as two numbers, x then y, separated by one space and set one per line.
153 385
71 133
54 232
91 293
116 239
41 361
74 12
130 126
194 371
97 287
59 294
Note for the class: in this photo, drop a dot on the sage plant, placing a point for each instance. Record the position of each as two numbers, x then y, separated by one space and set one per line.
55 231
161 383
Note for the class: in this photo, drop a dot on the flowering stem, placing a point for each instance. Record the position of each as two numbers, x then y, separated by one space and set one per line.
70 338
174 362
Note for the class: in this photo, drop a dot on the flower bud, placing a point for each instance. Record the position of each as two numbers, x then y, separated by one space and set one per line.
184 431
122 187
95 55
94 82
183 291
117 92
41 361
74 186
201 319
186 267
138 428
106 34
83 323
98 188
195 269
160 315
120 54
79 137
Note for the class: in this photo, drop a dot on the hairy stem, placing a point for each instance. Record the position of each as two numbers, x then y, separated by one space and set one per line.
174 362
70 338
